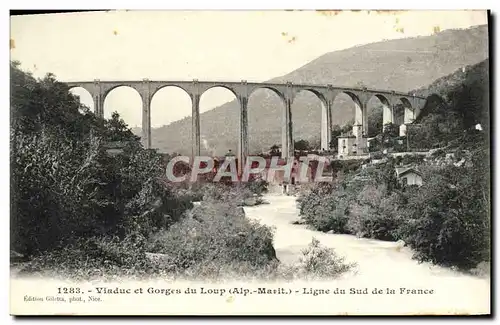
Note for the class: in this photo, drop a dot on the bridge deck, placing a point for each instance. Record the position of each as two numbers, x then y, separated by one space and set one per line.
261 84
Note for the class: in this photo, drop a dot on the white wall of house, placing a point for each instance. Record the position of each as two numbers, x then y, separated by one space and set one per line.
351 146
345 146
411 179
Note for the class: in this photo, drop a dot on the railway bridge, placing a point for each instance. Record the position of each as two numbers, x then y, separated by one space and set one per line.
242 90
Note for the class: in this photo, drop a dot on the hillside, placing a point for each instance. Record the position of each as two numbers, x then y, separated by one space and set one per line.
466 90
401 65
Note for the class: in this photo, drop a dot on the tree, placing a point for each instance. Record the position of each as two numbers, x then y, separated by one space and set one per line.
391 132
275 150
375 121
448 217
64 184
374 145
335 133
302 145
348 127
117 130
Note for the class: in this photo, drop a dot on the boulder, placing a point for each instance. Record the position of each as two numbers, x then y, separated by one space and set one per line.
250 201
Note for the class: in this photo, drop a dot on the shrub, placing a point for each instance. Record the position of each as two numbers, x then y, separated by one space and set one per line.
257 186
65 185
438 153
214 233
412 159
55 192
324 208
241 194
375 214
94 257
316 262
448 218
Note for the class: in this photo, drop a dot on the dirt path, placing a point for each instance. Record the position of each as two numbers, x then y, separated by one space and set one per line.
379 263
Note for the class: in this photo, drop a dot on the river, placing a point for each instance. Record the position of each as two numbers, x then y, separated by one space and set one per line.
380 264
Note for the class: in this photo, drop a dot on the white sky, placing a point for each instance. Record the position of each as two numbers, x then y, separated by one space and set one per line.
204 45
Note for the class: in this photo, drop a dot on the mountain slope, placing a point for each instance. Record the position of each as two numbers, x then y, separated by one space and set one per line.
401 65
465 91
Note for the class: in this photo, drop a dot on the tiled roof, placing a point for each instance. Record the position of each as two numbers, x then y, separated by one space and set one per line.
400 171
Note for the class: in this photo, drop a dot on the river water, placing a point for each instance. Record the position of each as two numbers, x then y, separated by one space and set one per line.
380 264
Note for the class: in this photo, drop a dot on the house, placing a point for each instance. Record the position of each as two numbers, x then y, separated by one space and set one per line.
349 145
409 176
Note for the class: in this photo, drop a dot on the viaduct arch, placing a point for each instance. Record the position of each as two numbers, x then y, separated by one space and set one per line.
242 90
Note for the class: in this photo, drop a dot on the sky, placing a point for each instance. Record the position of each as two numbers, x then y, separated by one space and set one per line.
204 45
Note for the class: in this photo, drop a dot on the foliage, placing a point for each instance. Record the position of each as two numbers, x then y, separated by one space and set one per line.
53 194
324 208
345 166
241 194
318 261
275 150
89 201
409 159
375 214
464 92
94 257
214 233
434 130
458 102
448 217
445 221
375 145
389 137
302 145
65 182
335 133
375 120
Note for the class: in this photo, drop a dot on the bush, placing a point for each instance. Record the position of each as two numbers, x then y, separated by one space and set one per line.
55 192
448 218
241 194
412 159
323 208
214 233
339 207
316 262
375 214
346 166
65 184
438 153
94 257
445 221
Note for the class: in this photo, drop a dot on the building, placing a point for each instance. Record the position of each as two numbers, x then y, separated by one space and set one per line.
349 145
409 176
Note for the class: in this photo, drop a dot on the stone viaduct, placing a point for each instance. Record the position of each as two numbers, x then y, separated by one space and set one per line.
242 90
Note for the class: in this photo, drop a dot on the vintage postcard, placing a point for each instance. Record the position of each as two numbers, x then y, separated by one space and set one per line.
293 162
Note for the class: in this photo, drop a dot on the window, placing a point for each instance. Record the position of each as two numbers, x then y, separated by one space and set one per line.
405 181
